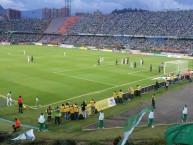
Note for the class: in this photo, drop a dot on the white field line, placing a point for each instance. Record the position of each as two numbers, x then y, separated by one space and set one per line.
84 79
96 92
114 86
102 65
138 75
15 102
96 66
11 54
141 70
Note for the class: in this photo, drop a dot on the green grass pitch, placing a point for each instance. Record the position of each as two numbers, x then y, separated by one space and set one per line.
73 76
57 78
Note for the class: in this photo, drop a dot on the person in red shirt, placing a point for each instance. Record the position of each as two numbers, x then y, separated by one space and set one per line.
188 75
20 103
16 125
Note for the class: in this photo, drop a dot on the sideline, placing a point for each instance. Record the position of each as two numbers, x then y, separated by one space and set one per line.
24 125
15 102
86 94
86 128
96 92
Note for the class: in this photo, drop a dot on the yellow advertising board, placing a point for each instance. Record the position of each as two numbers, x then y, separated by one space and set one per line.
100 105
104 104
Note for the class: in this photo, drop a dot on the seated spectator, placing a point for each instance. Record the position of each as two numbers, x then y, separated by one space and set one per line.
17 125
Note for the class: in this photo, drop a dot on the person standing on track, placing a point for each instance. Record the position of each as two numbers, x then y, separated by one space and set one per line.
184 113
153 101
101 119
41 121
150 118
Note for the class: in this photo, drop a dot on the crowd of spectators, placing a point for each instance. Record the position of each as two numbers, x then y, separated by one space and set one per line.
161 23
5 37
20 38
138 30
131 43
24 25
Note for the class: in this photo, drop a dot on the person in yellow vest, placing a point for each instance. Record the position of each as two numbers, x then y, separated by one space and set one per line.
92 102
172 79
67 111
131 93
139 90
153 101
75 111
71 112
115 96
49 113
120 94
62 110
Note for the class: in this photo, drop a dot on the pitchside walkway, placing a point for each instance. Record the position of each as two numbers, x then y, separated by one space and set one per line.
168 110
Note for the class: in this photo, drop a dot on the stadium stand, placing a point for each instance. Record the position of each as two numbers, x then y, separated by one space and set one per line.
25 25
5 37
160 30
54 26
67 24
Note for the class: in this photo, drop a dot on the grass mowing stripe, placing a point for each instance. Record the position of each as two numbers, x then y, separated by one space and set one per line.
94 66
84 79
96 92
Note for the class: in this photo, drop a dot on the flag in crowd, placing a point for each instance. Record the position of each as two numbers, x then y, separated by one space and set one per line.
132 122
28 135
182 134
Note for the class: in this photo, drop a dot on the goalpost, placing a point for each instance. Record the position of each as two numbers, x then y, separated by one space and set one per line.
175 67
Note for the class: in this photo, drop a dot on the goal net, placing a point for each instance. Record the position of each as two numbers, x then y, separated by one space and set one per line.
175 67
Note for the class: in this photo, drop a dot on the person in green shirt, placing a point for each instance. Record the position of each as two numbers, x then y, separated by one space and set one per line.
57 115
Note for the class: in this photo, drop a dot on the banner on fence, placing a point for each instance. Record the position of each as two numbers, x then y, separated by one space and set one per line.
104 104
